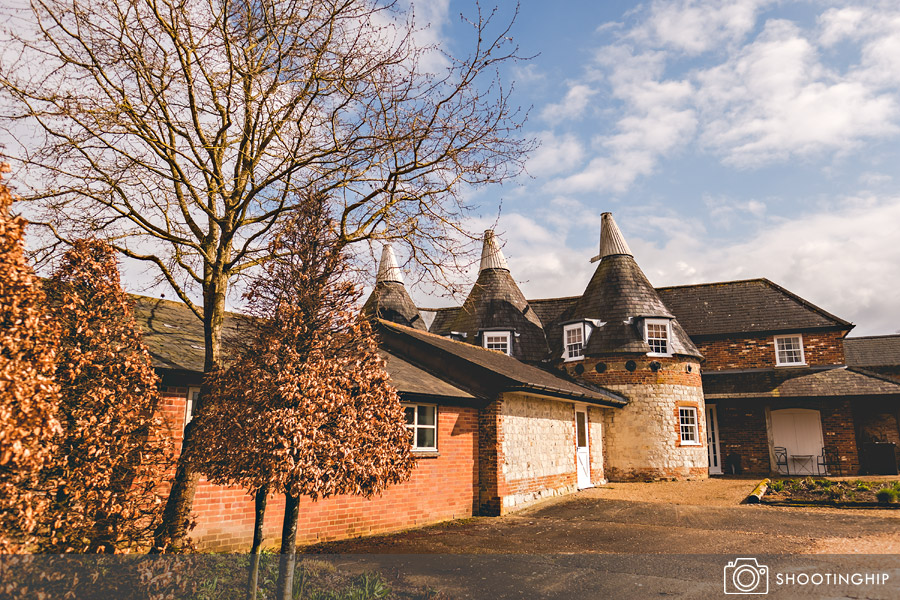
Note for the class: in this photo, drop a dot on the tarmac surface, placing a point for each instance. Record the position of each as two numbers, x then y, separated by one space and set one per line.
588 546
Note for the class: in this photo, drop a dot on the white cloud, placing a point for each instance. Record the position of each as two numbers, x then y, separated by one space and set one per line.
844 260
694 27
774 99
572 106
556 154
765 99
655 122
724 211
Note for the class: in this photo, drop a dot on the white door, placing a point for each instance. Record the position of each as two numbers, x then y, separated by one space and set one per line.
582 452
712 441
799 431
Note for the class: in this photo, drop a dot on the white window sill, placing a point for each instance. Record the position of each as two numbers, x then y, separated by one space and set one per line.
803 364
658 354
425 452
691 444
574 358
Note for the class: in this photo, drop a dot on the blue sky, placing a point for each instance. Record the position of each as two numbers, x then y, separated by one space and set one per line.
730 140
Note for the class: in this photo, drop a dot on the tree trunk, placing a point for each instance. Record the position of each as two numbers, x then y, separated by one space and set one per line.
174 527
288 548
262 498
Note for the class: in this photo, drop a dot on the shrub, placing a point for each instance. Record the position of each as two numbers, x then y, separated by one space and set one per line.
777 485
887 495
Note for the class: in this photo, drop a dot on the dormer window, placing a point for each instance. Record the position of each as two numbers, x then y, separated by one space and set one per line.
574 341
789 350
497 340
656 334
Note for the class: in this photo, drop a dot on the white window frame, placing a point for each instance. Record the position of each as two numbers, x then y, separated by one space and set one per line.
506 337
687 427
415 426
665 323
778 361
190 401
566 352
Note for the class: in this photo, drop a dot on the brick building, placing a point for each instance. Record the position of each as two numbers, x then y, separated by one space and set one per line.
509 400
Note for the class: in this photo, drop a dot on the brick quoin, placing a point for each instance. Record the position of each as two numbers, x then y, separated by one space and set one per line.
440 488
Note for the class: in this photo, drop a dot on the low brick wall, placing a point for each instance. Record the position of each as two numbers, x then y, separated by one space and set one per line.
440 488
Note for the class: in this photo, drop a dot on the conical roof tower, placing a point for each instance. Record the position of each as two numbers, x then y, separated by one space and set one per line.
496 304
390 300
657 435
619 298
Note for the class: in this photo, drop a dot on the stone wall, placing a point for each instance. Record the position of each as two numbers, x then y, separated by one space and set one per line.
537 449
642 440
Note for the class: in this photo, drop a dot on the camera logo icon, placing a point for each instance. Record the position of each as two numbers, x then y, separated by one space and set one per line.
746 576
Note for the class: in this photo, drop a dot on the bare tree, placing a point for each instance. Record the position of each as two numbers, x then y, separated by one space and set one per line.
307 409
183 130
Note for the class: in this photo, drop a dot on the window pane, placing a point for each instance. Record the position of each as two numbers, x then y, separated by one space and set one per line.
658 337
581 429
410 413
789 350
688 422
426 415
425 438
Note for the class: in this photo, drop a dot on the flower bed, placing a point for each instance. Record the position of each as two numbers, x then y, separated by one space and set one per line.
825 492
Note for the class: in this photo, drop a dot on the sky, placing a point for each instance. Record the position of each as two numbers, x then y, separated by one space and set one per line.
730 140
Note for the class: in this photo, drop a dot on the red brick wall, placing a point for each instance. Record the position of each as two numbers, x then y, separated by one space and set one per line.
672 371
743 430
440 488
489 459
877 420
752 352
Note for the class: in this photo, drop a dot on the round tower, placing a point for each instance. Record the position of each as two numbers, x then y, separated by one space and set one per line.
390 300
621 336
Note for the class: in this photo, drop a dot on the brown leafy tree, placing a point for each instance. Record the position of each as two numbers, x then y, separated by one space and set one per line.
113 453
185 130
28 393
308 408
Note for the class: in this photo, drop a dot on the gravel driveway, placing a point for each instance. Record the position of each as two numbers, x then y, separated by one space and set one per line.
635 540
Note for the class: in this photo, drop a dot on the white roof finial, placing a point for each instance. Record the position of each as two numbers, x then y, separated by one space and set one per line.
491 255
611 239
387 268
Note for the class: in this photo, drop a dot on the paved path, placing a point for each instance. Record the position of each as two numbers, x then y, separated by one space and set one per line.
574 548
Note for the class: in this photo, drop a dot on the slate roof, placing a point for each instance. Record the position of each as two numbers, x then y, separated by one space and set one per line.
410 379
173 334
496 302
619 292
442 317
746 306
174 337
796 383
486 373
872 351
551 310
389 300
